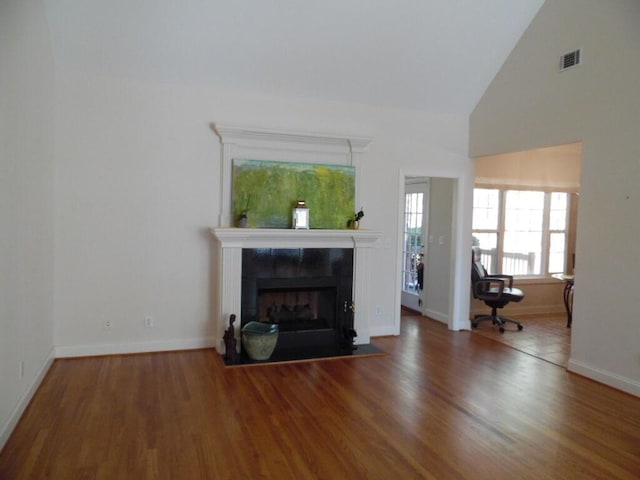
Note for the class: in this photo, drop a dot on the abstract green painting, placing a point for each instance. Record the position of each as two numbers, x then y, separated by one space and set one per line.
268 191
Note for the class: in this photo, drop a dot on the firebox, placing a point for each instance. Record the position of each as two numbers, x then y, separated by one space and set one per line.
307 292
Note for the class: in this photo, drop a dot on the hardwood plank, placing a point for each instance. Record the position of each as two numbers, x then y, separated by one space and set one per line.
543 336
440 405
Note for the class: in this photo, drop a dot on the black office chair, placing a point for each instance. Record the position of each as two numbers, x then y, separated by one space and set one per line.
494 290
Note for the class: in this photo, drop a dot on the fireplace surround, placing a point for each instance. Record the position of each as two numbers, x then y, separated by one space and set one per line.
307 292
311 255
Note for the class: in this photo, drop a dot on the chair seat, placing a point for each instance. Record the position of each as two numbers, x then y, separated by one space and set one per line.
510 294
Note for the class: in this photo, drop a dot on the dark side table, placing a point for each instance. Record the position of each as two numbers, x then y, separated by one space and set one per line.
567 294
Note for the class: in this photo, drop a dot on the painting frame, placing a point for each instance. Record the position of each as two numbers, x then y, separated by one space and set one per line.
264 193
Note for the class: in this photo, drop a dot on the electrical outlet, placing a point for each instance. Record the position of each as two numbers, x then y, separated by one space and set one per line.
149 322
378 310
107 324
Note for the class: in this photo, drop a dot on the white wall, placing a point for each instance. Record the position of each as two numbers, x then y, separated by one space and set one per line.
529 104
439 251
137 176
26 206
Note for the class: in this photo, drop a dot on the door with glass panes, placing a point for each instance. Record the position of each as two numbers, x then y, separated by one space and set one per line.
416 210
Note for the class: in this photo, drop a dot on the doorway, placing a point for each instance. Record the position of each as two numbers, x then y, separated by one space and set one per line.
415 230
431 247
524 218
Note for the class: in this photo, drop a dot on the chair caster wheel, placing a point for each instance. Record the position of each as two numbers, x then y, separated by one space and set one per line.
519 327
501 329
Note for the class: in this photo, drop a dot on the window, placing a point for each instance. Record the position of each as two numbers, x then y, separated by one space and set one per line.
413 244
521 232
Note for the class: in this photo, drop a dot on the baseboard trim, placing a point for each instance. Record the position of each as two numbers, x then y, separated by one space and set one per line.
22 405
610 379
439 316
518 310
383 331
62 351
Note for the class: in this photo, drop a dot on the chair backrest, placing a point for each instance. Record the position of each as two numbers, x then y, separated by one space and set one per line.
478 272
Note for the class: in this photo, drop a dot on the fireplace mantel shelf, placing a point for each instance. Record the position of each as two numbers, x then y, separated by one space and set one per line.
291 238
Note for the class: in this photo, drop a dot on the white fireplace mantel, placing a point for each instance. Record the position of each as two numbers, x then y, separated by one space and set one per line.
292 238
231 241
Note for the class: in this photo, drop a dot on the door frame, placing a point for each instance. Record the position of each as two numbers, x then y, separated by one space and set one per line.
460 283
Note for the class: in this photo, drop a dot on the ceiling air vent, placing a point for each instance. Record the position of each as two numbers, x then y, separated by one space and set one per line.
570 59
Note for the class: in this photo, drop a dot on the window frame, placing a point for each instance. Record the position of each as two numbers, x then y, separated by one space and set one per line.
499 232
413 251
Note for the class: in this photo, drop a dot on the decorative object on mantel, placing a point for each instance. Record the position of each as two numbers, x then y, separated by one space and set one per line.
276 186
300 218
259 339
230 354
243 218
354 222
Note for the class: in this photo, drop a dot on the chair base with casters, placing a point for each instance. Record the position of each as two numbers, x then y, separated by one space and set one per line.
496 320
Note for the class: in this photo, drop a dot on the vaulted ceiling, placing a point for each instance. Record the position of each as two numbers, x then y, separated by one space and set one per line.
432 55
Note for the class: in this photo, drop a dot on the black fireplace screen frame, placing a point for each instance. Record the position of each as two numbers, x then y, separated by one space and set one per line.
302 270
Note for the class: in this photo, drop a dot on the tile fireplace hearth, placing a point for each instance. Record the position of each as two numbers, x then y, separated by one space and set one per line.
312 283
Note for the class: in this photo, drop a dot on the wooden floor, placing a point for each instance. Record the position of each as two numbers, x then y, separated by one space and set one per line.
440 405
543 336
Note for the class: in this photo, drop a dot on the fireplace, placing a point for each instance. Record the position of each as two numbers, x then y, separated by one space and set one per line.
328 270
300 147
307 292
